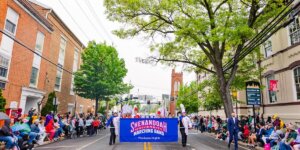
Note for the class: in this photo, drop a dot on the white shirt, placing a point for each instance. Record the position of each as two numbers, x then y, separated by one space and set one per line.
187 124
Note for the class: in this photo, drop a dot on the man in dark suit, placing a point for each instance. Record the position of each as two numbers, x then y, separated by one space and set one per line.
233 129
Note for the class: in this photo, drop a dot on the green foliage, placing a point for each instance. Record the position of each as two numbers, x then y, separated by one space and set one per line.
204 34
101 74
188 96
210 98
49 104
2 102
132 103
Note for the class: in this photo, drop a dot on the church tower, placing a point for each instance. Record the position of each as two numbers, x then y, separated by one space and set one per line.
176 82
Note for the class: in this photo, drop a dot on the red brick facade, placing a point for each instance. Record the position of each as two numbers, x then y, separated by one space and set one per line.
177 80
20 69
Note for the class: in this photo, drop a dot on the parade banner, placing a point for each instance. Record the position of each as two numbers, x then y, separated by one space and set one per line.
148 130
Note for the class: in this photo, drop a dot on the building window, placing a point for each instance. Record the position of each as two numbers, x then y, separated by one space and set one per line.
268 48
10 27
75 64
271 94
11 21
2 85
39 42
34 76
176 86
62 49
81 109
297 81
3 66
294 31
58 79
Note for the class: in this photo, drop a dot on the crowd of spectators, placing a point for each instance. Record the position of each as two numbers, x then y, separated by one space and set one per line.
272 134
26 131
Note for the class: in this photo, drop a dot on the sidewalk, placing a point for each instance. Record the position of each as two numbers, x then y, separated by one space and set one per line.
240 142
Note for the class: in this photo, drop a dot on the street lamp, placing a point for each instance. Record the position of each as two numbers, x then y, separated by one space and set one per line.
234 96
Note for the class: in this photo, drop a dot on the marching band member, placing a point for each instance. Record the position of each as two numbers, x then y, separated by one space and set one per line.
185 124
158 114
136 112
113 123
126 111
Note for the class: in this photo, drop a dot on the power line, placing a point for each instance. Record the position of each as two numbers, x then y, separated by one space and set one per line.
261 37
69 14
85 14
33 51
98 20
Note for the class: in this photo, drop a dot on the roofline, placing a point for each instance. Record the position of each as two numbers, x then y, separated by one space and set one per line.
33 13
67 28
46 7
40 4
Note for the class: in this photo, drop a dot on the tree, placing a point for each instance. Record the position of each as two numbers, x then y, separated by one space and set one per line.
101 73
2 102
201 33
188 96
49 104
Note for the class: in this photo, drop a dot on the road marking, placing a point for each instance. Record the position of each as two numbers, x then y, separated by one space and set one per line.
149 146
84 146
54 147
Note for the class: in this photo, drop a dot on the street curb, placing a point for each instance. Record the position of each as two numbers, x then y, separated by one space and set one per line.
240 142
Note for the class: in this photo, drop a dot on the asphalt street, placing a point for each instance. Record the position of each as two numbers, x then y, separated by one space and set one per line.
196 141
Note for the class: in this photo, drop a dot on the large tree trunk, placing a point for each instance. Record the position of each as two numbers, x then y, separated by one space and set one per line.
96 105
107 108
224 90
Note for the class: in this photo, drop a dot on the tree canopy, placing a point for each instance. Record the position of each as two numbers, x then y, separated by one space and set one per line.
204 34
188 96
101 74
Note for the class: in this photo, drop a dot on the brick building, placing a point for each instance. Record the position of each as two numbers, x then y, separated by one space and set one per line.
176 81
25 77
23 74
66 49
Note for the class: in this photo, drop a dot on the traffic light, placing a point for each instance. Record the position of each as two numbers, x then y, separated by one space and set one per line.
148 102
158 103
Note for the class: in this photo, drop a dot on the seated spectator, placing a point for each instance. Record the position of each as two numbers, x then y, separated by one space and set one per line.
58 130
11 142
246 133
261 132
50 129
269 131
296 144
42 132
26 131
291 135
222 135
252 139
274 137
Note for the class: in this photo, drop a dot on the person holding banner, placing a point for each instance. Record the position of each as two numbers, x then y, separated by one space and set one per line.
113 123
185 124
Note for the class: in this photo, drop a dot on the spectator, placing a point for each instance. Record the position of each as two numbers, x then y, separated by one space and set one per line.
296 144
289 138
11 141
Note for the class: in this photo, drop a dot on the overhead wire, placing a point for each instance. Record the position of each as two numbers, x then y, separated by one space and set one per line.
75 22
93 12
257 40
33 51
87 16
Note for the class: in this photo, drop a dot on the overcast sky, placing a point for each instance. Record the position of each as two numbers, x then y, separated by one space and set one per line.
87 20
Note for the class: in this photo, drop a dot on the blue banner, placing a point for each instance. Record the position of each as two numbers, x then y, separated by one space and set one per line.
148 130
